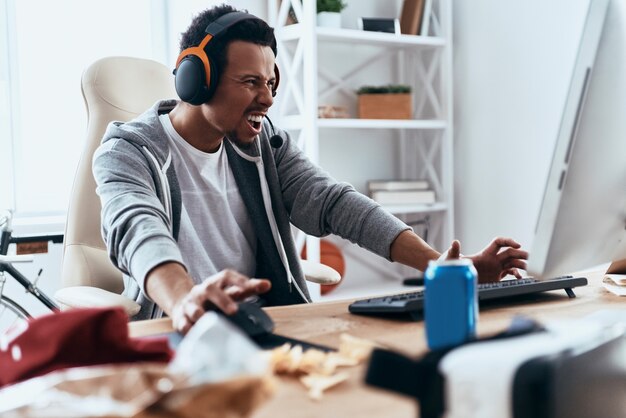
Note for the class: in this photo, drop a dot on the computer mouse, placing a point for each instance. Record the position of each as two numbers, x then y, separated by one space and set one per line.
252 319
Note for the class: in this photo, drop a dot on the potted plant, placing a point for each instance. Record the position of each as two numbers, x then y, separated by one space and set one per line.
385 102
329 13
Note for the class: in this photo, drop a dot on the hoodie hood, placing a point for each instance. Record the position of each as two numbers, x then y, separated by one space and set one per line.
145 130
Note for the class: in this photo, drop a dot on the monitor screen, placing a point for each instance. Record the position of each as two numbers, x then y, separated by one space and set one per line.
582 219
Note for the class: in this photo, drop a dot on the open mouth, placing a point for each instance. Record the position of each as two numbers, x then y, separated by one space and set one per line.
255 121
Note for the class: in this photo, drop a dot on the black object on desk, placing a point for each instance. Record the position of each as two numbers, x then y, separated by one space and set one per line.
258 325
413 281
413 302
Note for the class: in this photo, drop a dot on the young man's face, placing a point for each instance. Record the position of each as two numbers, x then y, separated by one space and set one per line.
244 93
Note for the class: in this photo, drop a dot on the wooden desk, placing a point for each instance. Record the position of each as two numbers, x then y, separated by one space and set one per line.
324 322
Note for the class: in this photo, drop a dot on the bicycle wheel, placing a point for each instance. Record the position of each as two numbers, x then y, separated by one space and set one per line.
11 313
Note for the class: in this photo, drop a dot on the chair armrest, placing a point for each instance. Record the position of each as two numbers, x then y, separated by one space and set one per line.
319 273
94 297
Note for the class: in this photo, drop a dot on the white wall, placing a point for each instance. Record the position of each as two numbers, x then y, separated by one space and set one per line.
512 65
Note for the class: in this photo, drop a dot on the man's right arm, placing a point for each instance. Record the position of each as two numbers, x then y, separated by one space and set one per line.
135 225
167 284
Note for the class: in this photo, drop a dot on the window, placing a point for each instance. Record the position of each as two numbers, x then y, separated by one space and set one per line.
44 48
6 150
52 43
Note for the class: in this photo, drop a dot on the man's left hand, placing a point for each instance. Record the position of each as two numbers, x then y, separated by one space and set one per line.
501 257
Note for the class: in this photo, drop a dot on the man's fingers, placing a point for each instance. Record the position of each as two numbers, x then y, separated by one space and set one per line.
226 278
221 300
251 288
520 264
500 242
192 310
511 253
183 326
179 321
260 285
513 272
455 250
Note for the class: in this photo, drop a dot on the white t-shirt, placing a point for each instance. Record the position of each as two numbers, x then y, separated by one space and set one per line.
215 229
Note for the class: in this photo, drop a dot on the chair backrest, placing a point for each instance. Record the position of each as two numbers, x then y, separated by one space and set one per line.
114 88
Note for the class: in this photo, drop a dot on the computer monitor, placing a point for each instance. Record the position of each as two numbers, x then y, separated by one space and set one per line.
582 219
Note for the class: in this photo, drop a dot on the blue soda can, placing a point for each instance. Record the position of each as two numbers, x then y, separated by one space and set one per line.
450 303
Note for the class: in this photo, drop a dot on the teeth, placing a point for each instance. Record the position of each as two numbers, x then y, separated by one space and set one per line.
255 118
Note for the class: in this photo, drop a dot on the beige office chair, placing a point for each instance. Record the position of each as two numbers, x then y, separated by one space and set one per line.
114 88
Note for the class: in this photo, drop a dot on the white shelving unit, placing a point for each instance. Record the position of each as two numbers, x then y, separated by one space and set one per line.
322 65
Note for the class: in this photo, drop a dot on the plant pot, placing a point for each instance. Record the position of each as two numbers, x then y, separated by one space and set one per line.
329 19
385 106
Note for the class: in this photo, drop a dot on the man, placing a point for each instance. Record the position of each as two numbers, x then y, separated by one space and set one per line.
198 194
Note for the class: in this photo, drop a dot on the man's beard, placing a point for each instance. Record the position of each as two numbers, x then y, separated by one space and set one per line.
240 143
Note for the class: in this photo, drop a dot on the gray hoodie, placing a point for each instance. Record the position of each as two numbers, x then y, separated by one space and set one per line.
141 206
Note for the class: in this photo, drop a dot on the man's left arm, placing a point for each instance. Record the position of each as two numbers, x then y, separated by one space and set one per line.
411 250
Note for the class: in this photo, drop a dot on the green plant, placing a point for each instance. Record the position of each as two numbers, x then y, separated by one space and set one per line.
330 6
388 89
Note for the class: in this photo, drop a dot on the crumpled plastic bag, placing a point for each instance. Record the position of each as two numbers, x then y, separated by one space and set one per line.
214 349
217 372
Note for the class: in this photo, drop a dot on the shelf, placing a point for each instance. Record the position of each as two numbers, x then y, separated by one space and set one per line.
406 209
297 122
381 123
360 37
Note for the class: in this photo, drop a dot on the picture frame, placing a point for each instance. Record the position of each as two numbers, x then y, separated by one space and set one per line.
379 24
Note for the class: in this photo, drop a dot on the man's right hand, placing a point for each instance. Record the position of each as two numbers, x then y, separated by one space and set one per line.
220 291
170 287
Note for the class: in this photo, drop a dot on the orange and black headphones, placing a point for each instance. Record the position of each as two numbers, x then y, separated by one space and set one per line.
196 75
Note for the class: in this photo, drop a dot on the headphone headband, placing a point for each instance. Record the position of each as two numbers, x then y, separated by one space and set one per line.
226 21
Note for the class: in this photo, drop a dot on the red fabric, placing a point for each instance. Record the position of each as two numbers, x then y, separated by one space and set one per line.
77 337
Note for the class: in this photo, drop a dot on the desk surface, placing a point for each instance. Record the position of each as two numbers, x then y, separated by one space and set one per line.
324 322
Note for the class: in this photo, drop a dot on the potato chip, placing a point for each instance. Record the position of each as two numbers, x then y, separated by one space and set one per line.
357 348
317 383
318 367
295 359
313 361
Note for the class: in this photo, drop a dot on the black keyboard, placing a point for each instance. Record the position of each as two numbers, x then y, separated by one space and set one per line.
413 302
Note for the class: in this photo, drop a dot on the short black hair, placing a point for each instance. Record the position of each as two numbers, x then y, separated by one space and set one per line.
256 31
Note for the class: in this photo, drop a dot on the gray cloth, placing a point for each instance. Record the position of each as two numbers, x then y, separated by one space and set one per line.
141 205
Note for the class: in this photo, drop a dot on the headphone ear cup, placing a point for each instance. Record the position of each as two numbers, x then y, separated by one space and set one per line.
213 80
190 81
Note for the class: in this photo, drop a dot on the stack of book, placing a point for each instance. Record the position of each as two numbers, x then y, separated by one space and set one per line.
401 192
